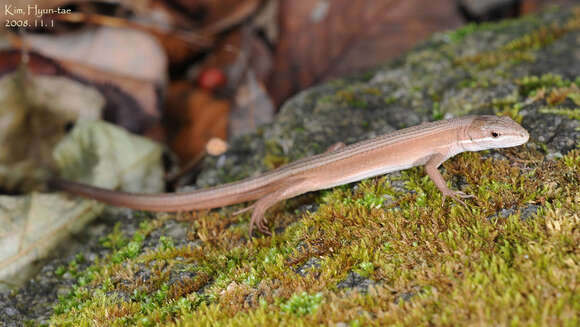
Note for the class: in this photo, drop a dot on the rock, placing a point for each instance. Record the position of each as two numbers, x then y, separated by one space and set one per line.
475 71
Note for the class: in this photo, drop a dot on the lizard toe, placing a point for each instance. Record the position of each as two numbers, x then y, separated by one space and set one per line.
263 228
457 196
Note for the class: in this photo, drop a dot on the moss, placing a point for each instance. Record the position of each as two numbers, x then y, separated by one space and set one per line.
352 99
437 113
456 36
575 97
519 49
390 99
570 113
538 38
115 240
433 255
460 33
558 95
512 250
302 304
493 59
529 85
275 156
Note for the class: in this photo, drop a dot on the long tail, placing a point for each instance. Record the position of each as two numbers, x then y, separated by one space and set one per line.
166 202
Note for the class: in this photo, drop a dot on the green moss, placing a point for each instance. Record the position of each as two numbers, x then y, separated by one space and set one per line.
114 240
275 156
519 49
570 113
538 38
352 99
460 33
326 99
365 268
511 250
575 97
437 113
390 99
130 251
302 304
493 59
432 255
367 76
530 84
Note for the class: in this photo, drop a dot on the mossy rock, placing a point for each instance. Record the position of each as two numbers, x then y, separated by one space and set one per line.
381 251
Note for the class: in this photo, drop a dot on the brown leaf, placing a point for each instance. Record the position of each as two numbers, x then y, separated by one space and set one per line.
34 110
205 18
324 39
116 50
207 118
130 103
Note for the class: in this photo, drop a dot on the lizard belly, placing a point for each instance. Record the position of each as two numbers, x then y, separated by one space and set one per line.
360 175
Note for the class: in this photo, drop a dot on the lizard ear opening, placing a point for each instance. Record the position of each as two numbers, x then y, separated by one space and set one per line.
494 134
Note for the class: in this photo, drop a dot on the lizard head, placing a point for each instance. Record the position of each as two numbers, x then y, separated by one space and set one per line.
490 132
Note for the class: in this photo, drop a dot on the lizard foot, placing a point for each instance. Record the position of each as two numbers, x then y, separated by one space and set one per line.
456 195
292 188
260 222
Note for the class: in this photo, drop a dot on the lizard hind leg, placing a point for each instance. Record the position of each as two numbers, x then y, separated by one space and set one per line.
286 191
243 210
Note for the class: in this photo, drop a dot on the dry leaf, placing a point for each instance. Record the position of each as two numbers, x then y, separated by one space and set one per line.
95 152
129 102
120 51
207 117
324 39
98 153
34 110
31 226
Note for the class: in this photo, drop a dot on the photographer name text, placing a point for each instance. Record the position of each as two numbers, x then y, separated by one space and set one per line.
31 15
34 11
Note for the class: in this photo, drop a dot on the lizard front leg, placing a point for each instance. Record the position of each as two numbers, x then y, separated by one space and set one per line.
431 169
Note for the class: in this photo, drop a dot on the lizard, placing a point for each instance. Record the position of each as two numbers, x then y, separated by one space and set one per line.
428 145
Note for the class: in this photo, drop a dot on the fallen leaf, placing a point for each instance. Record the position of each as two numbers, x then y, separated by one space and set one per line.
207 117
31 226
106 49
34 110
101 154
95 152
131 103
323 39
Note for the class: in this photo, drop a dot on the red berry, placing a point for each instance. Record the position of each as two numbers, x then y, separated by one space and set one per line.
211 78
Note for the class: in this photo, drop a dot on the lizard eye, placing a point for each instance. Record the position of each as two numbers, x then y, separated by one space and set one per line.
494 134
